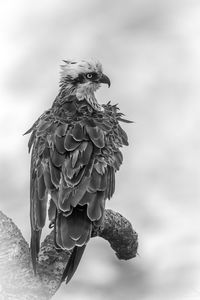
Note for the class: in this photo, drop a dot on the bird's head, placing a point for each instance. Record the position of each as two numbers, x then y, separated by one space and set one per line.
82 79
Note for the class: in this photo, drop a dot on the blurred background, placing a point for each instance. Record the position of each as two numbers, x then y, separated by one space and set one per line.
151 51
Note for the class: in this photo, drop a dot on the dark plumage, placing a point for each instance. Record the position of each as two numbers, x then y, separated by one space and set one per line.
75 154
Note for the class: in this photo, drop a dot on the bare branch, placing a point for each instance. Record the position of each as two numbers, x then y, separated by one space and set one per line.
119 232
17 278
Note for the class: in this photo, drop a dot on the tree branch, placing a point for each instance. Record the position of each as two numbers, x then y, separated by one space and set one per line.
17 280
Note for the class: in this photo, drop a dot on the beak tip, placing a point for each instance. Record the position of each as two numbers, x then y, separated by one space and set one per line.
106 80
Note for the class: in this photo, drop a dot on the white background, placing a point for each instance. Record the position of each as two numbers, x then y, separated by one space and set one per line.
151 51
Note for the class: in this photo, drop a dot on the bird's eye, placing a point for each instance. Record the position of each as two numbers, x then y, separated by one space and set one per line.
89 75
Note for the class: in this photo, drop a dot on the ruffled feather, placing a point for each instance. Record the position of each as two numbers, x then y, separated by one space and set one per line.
74 159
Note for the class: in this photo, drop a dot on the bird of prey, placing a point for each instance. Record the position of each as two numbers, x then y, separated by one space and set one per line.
75 149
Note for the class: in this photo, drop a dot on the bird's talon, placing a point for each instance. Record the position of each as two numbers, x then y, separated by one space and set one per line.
51 225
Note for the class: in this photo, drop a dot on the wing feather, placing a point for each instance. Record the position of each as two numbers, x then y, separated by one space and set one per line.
70 143
75 163
41 187
54 174
94 209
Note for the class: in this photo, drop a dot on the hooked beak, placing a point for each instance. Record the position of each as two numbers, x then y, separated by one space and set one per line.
105 79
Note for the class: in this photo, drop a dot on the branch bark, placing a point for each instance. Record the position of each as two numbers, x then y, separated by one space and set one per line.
17 280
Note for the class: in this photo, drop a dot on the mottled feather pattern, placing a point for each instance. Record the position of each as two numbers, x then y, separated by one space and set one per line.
75 154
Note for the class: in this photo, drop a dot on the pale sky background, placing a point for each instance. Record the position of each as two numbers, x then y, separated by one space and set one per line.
150 49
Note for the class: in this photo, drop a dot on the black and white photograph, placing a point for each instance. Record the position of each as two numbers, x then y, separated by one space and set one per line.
100 150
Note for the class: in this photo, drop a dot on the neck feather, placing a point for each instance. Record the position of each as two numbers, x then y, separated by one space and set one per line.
82 92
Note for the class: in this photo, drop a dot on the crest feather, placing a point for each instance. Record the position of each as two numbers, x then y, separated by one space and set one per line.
73 69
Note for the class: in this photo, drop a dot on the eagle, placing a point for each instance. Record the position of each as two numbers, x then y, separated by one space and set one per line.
75 153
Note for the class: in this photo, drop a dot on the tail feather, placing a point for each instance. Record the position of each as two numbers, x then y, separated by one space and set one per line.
73 263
